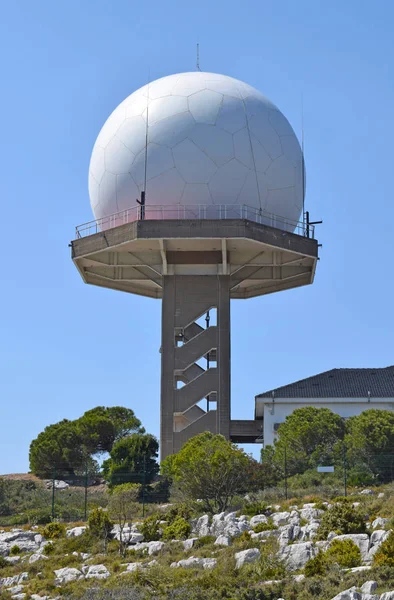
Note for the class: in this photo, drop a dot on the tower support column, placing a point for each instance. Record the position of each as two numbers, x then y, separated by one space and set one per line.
185 380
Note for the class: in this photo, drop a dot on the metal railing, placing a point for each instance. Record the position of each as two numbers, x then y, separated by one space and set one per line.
198 212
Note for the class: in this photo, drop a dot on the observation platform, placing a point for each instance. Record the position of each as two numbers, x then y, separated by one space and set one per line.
258 251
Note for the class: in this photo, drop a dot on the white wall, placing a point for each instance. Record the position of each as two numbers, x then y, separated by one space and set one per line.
346 407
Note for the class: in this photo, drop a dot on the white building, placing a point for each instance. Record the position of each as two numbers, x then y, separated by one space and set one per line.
347 392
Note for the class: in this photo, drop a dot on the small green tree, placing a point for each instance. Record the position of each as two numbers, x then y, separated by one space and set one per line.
121 508
308 437
132 459
100 525
179 529
209 468
345 553
370 443
341 518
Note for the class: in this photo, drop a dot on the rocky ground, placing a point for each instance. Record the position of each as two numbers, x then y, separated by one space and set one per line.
291 534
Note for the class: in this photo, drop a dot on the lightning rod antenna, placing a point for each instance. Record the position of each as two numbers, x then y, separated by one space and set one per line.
198 58
303 162
143 192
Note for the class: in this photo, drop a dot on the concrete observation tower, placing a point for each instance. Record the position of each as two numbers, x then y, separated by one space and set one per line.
196 183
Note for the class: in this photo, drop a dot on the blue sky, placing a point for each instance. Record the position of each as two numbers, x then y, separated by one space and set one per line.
67 347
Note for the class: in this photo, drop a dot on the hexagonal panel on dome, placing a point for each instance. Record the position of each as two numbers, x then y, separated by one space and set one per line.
280 123
282 203
107 194
159 160
118 158
280 174
205 105
243 147
189 83
292 149
165 107
126 191
132 133
196 193
161 87
172 130
94 189
262 159
215 142
192 163
165 189
227 182
266 135
231 116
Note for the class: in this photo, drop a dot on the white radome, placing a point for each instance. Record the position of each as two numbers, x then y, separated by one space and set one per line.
212 139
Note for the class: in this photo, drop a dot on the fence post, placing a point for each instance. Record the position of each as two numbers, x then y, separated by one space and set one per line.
53 492
143 487
344 469
86 492
286 492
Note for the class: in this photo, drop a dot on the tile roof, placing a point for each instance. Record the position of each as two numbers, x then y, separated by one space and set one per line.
340 383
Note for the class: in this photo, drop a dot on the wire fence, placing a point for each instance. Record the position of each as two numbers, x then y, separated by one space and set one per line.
69 495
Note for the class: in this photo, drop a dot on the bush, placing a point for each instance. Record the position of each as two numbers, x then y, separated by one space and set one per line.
179 529
15 550
341 518
49 549
3 563
265 527
385 555
316 566
254 508
54 530
178 510
204 540
39 516
99 523
345 553
150 528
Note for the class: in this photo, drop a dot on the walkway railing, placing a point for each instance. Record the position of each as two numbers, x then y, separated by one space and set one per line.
197 211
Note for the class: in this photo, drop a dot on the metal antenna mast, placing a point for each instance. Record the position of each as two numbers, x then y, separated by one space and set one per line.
303 162
143 192
198 58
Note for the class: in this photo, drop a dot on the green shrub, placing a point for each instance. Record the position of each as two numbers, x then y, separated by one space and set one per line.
39 516
341 518
265 527
150 528
385 555
316 566
254 508
53 531
49 549
99 523
178 510
15 550
345 553
3 563
178 530
204 540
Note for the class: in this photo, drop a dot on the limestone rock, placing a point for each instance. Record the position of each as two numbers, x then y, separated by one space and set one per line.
201 527
57 483
188 544
280 518
367 493
246 556
257 519
76 531
16 589
297 555
369 587
12 581
67 574
223 540
196 563
97 572
35 557
310 514
387 596
350 594
379 523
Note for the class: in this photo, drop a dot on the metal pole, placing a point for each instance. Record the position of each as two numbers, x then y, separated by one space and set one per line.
344 469
286 495
143 488
86 492
207 319
53 492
